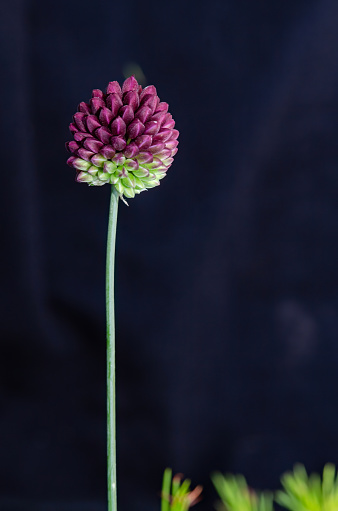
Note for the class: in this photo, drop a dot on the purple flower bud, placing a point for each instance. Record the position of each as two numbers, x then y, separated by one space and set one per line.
108 152
72 146
81 164
98 160
97 93
118 127
145 157
171 144
131 150
73 128
119 159
135 128
162 136
103 134
156 148
155 163
127 113
131 98
79 136
109 167
151 128
123 172
120 135
162 107
143 113
148 90
114 102
96 104
71 160
84 108
168 117
168 162
150 101
114 88
168 124
92 123
106 116
164 154
130 84
174 134
118 143
79 118
159 117
131 164
144 142
92 145
84 154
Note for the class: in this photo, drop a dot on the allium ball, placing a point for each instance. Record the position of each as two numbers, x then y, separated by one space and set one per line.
124 137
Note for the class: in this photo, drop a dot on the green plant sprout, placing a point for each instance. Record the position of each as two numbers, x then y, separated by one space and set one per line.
176 494
237 496
309 493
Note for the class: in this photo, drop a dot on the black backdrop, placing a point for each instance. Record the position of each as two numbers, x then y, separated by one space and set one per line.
226 293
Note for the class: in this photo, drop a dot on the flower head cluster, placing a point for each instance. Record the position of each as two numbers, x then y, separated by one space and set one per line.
124 137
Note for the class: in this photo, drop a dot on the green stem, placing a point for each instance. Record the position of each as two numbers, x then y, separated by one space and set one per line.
111 406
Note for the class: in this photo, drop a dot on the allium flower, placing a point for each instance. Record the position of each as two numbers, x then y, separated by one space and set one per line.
124 137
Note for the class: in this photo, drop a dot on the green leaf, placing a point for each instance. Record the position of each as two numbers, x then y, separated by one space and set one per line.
166 485
309 493
237 496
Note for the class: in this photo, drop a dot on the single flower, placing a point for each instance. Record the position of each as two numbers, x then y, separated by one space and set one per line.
124 137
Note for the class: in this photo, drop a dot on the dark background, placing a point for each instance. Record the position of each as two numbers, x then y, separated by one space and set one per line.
227 278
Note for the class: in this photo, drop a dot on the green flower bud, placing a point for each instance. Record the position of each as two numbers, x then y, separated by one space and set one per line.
93 170
83 177
109 166
81 164
141 172
103 176
98 160
119 187
129 193
127 183
139 184
114 178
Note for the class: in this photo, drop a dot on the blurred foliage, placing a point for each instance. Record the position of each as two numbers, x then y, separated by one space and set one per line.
309 493
176 494
301 492
237 496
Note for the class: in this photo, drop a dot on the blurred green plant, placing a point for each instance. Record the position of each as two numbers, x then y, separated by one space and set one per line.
176 494
309 493
237 496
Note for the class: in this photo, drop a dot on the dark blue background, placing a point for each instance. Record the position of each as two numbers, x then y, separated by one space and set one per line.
227 279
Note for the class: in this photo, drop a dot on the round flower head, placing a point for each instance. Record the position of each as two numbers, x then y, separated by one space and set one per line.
124 137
